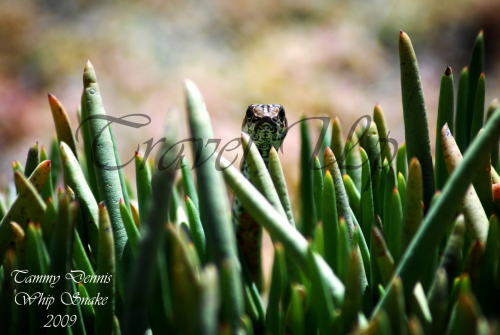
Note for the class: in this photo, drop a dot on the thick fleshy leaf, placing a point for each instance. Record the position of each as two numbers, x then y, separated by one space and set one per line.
381 188
318 188
383 133
296 313
482 184
461 127
478 116
152 231
413 211
32 160
60 251
185 284
465 316
279 227
196 228
87 144
330 224
275 315
475 216
134 237
73 177
353 300
7 292
402 189
88 310
340 192
108 178
354 161
367 207
37 315
47 190
143 183
422 247
486 290
373 151
352 193
276 172
438 302
394 227
452 257
17 211
396 307
401 161
188 182
344 254
445 115
382 255
63 126
105 267
321 301
476 67
307 209
337 144
221 241
418 143
495 151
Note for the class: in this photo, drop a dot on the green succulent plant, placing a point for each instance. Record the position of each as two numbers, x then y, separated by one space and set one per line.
385 244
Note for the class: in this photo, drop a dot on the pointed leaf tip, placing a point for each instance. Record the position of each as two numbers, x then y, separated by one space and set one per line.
18 231
404 37
89 76
189 85
445 128
53 100
448 72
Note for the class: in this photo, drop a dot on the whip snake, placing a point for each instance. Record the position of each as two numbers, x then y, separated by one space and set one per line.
267 126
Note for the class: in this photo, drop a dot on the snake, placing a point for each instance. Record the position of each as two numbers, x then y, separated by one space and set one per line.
267 127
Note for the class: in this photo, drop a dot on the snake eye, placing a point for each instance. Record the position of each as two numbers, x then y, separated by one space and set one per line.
249 114
282 113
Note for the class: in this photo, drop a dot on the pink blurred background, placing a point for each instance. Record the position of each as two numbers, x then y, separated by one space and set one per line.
317 57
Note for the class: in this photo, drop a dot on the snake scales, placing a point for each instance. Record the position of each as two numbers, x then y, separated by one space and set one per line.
267 126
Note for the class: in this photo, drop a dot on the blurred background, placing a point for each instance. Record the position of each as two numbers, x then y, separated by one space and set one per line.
316 57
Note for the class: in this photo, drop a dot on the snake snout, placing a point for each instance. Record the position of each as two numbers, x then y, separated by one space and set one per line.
264 120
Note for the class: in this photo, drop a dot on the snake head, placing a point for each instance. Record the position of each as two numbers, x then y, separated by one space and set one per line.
266 125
